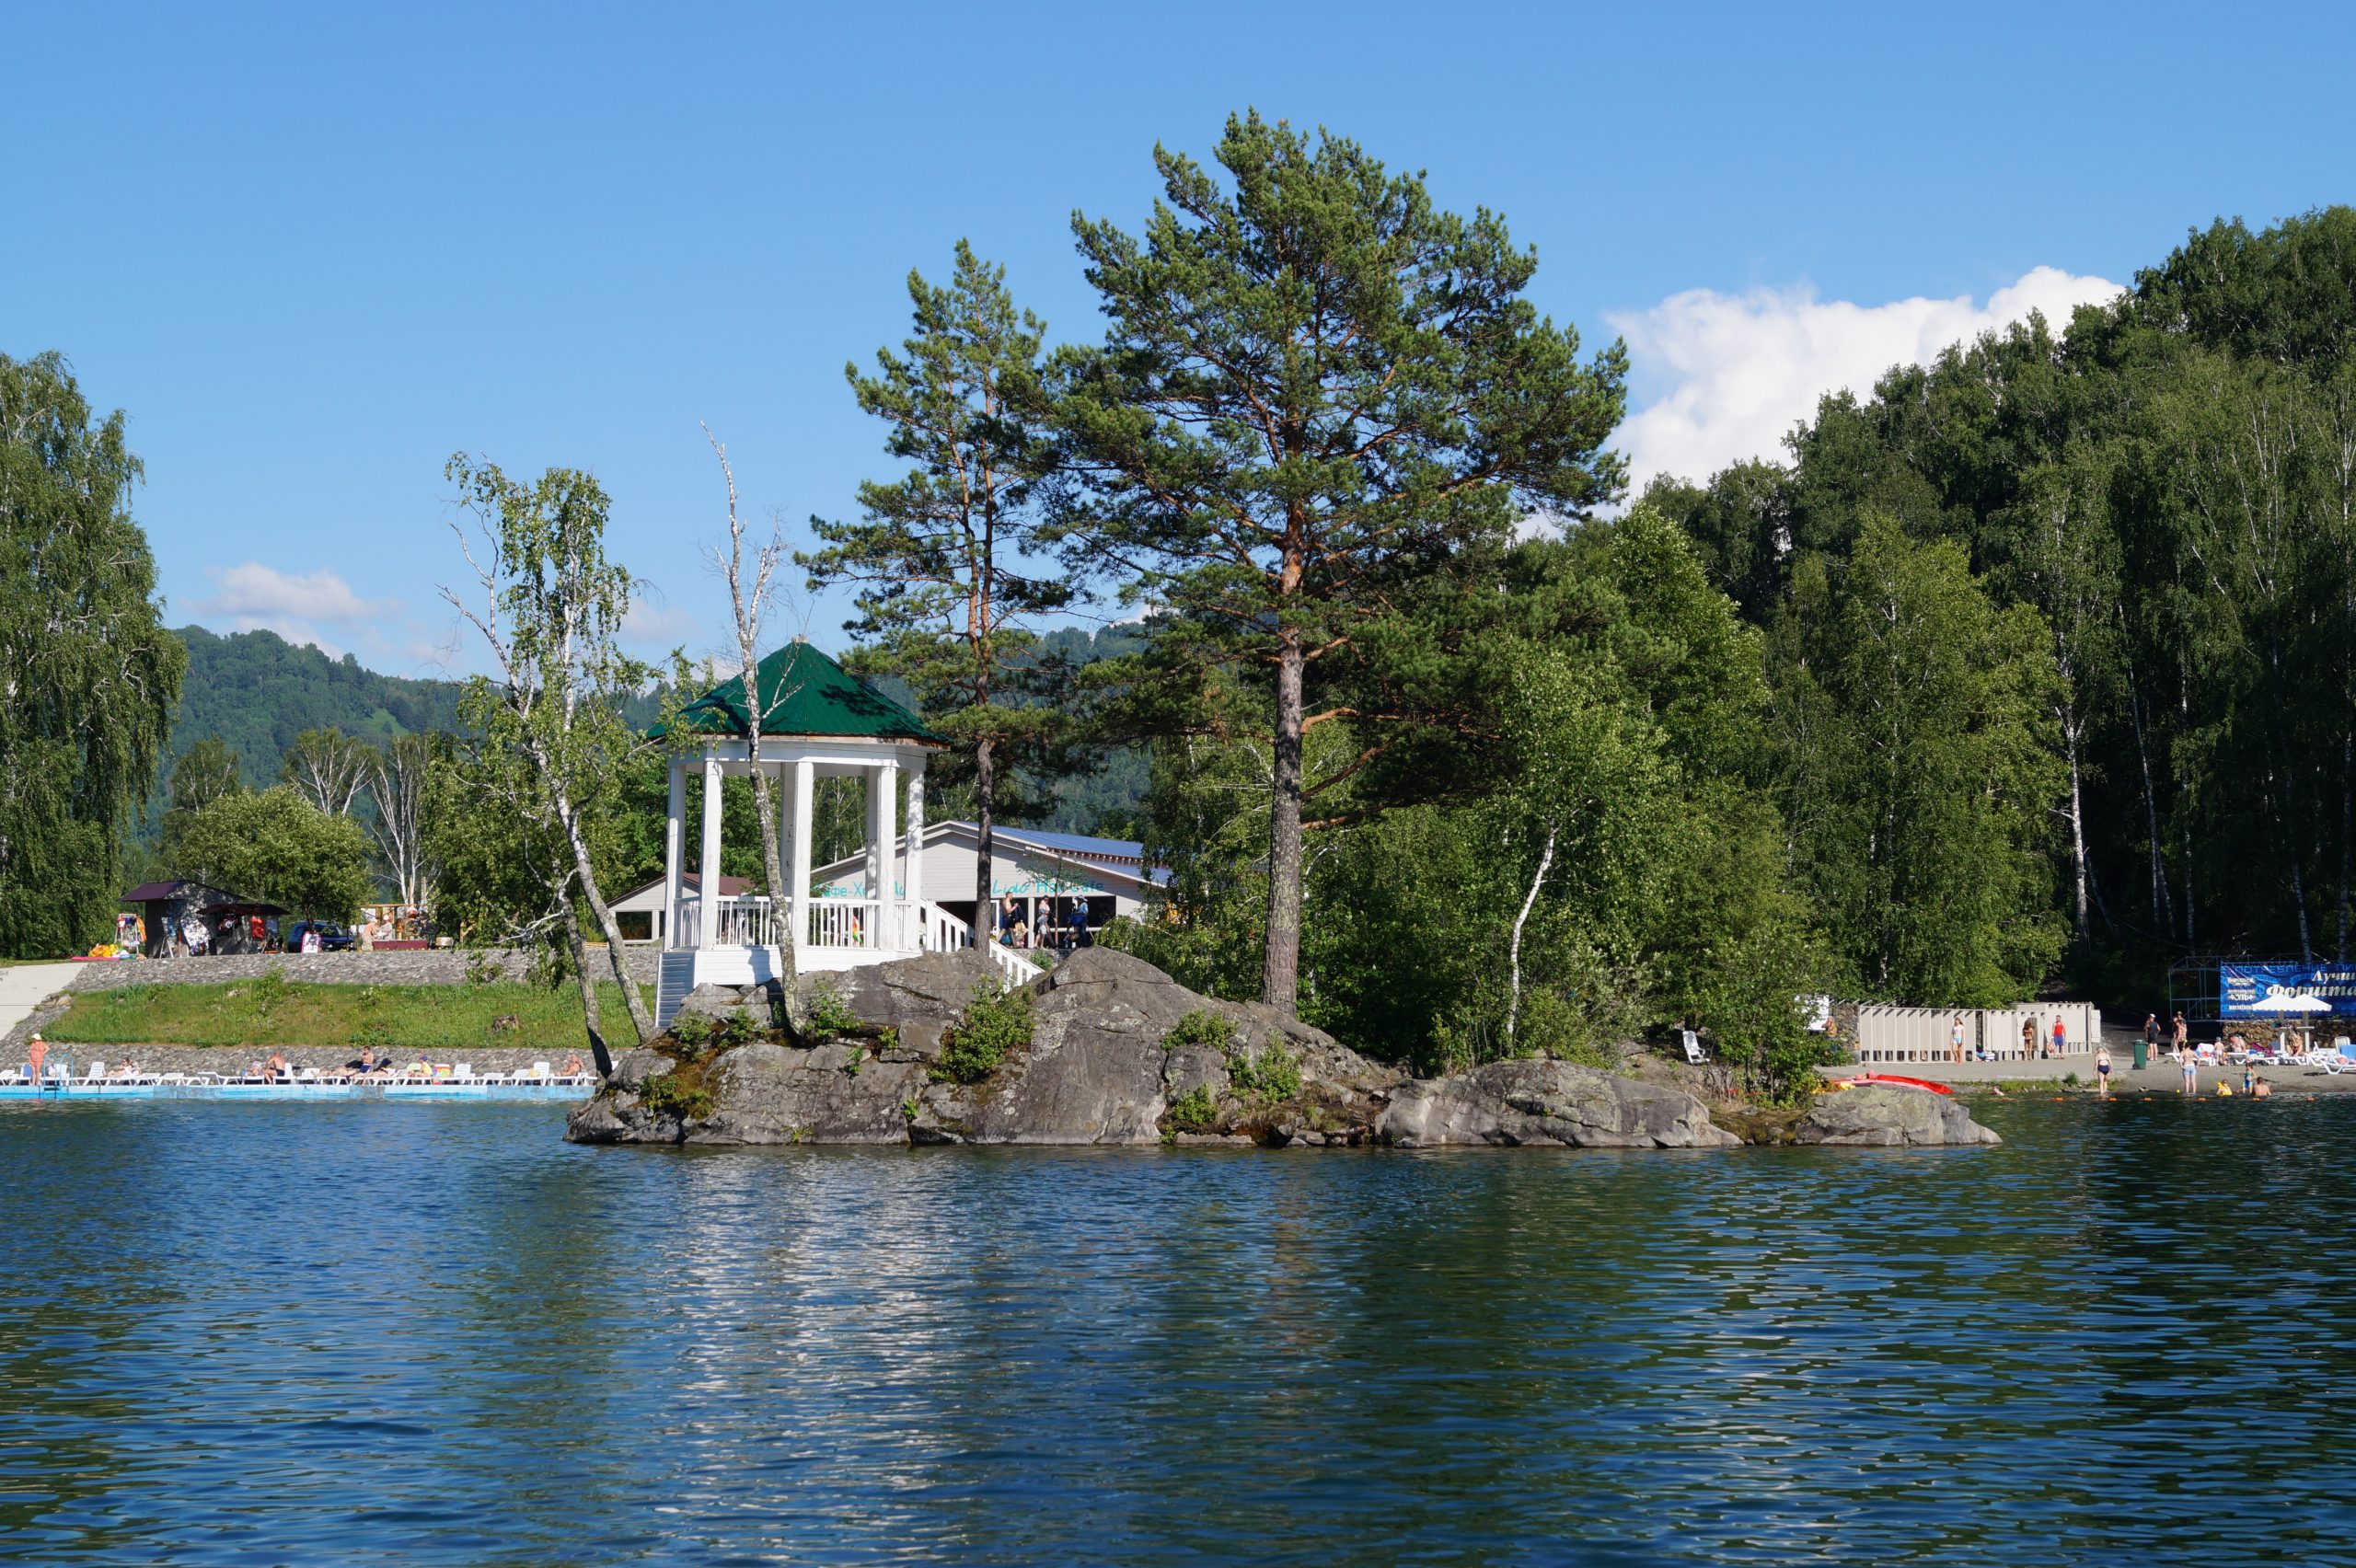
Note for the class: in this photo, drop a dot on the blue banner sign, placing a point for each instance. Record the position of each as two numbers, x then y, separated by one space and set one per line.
2241 986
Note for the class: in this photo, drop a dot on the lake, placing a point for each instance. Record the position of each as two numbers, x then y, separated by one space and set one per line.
425 1335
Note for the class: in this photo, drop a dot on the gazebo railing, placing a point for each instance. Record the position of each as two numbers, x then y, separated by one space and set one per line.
744 922
845 923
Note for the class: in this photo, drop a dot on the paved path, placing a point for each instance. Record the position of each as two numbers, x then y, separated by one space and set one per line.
24 987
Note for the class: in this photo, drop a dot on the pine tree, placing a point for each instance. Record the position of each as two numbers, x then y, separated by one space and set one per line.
1316 392
950 591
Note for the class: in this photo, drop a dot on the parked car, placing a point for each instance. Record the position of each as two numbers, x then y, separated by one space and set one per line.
333 937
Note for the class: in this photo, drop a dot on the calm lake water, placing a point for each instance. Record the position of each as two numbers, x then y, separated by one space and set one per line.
381 1333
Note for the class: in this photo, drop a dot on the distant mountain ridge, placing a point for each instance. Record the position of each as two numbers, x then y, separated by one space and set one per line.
256 691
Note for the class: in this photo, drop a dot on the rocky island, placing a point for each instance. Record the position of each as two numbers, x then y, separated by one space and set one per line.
1107 1049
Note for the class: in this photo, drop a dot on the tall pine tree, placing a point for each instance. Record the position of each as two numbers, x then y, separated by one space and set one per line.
1317 390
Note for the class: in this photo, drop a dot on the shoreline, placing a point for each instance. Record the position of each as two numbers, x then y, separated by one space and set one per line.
1977 1078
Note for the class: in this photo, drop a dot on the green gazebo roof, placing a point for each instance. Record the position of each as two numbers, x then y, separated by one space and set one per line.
802 693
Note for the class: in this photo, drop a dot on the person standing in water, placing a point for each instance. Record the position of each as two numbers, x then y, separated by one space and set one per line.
2102 1072
2191 1065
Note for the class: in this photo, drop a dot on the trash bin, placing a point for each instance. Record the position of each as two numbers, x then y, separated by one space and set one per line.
2140 1044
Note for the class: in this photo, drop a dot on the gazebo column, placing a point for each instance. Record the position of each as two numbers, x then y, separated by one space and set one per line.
912 926
798 900
882 787
780 897
674 827
707 878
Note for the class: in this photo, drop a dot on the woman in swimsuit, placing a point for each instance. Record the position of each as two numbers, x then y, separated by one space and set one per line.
2102 1072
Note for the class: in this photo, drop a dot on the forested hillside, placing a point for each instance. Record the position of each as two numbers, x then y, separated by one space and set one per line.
2139 536
256 692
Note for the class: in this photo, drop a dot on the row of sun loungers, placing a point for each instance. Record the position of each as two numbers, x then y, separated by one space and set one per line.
459 1076
2333 1059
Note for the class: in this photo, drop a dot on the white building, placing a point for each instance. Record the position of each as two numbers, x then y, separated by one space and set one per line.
1051 877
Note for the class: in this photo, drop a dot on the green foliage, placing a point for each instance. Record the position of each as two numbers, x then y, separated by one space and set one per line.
92 675
692 1032
275 847
271 989
679 1092
996 1022
1625 726
830 1014
1193 1112
1919 752
737 1027
1203 1027
1271 1078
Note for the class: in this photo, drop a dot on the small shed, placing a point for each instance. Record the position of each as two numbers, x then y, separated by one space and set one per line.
164 908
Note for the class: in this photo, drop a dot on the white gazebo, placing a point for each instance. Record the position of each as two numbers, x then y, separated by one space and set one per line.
815 722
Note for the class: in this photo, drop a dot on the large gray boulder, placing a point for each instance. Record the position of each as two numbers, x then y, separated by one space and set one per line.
1547 1102
1888 1116
1097 1070
915 998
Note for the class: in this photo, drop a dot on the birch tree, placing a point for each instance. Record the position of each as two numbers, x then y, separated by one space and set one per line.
548 605
329 768
752 595
400 784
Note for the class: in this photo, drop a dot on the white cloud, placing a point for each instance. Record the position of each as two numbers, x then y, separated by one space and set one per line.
649 623
298 605
1739 370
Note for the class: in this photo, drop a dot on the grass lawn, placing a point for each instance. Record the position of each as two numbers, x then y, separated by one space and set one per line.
271 1011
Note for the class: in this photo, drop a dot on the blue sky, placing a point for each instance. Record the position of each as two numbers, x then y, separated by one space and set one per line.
314 250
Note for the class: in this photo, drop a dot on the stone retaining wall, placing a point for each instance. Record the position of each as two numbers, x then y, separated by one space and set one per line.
235 1058
415 966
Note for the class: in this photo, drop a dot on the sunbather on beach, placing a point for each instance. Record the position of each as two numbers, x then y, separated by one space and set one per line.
572 1067
275 1069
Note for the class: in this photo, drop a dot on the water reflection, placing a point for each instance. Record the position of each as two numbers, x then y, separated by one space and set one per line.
368 1333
